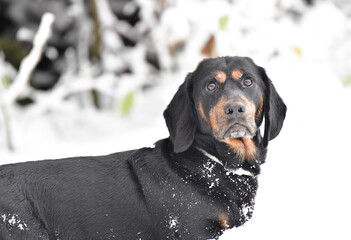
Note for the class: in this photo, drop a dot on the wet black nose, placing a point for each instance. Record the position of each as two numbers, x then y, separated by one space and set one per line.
234 109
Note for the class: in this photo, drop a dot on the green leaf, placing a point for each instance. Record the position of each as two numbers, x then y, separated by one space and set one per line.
297 51
346 80
223 22
127 103
14 51
6 81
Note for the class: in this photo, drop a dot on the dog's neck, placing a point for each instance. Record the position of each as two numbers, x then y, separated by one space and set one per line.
238 171
227 156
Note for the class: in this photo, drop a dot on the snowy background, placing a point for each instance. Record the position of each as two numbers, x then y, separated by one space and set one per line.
109 68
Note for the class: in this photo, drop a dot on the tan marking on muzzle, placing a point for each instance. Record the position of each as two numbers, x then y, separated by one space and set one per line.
244 148
221 77
250 106
216 112
237 74
250 112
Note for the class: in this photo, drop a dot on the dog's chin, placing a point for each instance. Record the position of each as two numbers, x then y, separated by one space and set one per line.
237 131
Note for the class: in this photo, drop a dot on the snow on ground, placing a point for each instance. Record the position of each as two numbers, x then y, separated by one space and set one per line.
305 185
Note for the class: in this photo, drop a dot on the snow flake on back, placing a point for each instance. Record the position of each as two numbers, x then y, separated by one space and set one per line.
208 169
174 225
139 238
57 235
214 183
173 222
208 173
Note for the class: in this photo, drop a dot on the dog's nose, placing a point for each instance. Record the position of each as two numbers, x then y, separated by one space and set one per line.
234 109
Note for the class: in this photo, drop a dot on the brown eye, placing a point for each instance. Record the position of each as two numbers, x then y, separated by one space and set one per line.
247 82
211 86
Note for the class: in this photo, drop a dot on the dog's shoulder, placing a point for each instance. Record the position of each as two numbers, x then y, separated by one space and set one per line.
151 160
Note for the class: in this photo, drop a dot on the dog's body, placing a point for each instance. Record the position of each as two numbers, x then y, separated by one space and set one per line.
193 185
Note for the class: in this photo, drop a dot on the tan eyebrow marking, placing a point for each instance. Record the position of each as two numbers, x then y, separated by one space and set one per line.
221 77
237 74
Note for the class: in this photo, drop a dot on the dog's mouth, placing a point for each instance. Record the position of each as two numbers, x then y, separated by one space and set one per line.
238 131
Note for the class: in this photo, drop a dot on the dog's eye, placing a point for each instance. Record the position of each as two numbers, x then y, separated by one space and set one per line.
247 82
211 86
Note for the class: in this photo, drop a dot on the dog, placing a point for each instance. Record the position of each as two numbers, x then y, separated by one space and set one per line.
195 184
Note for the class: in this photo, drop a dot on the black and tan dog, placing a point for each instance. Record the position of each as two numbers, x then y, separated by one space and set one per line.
193 185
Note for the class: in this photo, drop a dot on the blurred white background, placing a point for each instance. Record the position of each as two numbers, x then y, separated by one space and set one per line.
110 68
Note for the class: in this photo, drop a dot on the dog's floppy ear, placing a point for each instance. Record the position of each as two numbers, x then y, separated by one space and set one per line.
274 110
180 117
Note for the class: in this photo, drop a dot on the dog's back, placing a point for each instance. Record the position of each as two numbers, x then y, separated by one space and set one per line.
39 199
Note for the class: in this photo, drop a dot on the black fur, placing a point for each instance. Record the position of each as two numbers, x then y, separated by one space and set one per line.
180 117
275 110
171 191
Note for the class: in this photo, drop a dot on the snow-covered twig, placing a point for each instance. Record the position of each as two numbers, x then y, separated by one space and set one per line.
6 122
29 63
26 69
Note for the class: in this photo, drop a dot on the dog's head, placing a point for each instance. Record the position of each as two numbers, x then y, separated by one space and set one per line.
227 98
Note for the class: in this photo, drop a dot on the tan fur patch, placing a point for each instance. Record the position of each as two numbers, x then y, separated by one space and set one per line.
221 77
245 149
224 221
217 112
202 113
260 109
237 74
238 147
250 149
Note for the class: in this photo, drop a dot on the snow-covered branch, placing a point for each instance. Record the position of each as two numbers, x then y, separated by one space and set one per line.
29 63
26 69
5 120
